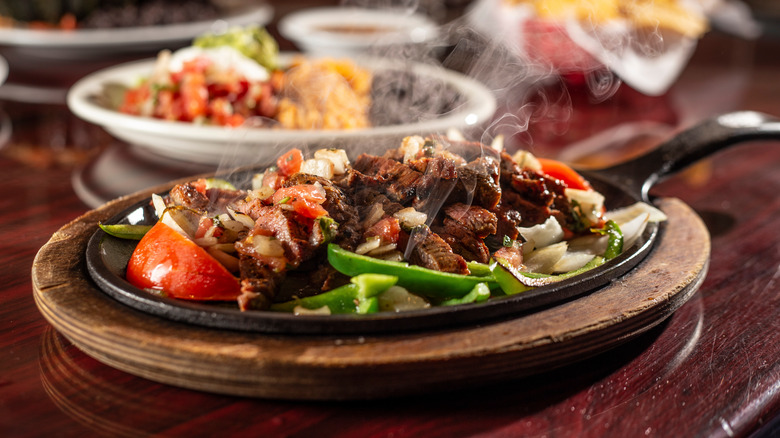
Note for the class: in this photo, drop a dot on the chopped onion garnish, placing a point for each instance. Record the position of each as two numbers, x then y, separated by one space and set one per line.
261 193
411 147
541 235
159 205
370 244
337 157
210 232
398 299
206 241
393 256
543 260
527 160
300 310
268 246
243 219
228 261
382 249
257 181
375 213
234 225
625 214
591 203
409 217
181 219
318 167
498 143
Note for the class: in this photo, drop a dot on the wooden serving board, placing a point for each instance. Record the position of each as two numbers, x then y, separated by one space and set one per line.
362 367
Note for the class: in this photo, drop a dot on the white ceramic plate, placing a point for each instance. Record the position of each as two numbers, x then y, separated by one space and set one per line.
215 144
89 43
324 30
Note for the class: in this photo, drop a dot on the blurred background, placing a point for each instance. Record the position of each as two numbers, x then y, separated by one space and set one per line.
562 98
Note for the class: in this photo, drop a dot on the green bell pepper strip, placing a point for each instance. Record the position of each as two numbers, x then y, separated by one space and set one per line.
357 297
126 231
615 241
480 269
513 281
425 282
478 294
507 278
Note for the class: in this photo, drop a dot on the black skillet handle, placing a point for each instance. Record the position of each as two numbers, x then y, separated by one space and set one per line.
704 139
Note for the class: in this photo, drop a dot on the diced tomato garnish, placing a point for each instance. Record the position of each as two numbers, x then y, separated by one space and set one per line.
386 228
134 98
563 172
167 261
305 200
194 95
234 120
200 185
290 162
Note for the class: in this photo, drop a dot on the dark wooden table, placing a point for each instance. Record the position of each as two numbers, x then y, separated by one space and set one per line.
712 369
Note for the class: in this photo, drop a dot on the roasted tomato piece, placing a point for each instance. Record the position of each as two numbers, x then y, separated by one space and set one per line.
563 172
168 261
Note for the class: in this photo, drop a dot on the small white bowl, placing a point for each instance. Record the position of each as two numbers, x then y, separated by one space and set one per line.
343 31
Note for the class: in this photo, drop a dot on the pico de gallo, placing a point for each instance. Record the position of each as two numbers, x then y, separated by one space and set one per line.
227 79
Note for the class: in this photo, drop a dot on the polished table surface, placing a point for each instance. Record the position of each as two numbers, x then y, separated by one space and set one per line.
711 369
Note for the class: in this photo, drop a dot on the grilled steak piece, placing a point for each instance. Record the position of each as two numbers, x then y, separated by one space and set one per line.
478 183
398 180
531 214
368 197
476 220
537 188
215 201
259 282
462 241
439 177
430 251
188 196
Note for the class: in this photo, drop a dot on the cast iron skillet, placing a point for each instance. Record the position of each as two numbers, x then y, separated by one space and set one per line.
621 185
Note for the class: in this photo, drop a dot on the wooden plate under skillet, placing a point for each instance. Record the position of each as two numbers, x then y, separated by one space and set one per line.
317 367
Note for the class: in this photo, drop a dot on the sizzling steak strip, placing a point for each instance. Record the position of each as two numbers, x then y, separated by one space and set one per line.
398 180
259 282
475 219
188 196
478 183
430 251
